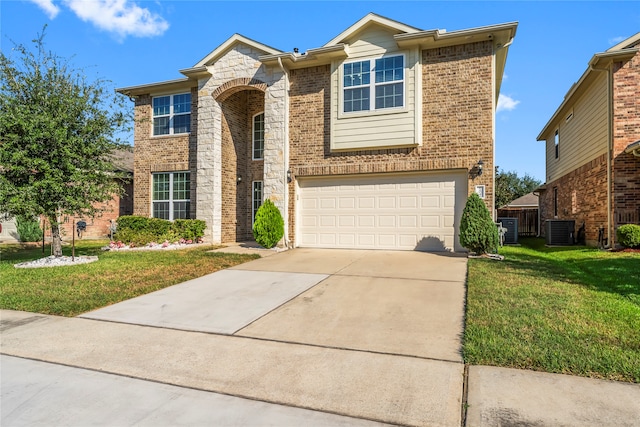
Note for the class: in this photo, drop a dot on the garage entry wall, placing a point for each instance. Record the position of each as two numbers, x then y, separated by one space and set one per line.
381 211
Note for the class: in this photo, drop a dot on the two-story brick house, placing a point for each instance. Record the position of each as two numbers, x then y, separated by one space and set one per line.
374 140
593 147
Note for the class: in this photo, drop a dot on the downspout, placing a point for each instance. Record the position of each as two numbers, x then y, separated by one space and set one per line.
285 131
609 148
496 48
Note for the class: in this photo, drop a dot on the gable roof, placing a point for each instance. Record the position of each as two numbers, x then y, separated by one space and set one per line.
623 51
371 19
528 200
229 44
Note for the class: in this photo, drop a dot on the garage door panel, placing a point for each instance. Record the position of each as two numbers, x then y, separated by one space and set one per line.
366 202
393 211
386 202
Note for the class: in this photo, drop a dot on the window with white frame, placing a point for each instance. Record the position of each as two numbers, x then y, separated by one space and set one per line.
556 142
364 92
172 114
171 195
258 136
256 199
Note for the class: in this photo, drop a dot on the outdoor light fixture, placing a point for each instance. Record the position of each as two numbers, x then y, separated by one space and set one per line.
289 178
239 179
480 166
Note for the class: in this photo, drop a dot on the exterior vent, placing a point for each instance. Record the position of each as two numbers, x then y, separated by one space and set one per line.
511 224
560 232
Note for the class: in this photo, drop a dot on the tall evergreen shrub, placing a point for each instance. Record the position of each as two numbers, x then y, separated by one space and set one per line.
478 232
268 227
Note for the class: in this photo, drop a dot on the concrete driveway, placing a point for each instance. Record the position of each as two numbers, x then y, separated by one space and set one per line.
397 302
373 335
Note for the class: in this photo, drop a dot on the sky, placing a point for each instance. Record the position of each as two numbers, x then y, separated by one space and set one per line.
133 42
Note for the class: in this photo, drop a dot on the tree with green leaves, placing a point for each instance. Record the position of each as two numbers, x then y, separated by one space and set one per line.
58 131
509 186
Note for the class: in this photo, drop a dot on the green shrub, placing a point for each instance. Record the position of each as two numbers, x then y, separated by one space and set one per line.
268 227
629 235
478 232
189 229
136 223
28 229
141 230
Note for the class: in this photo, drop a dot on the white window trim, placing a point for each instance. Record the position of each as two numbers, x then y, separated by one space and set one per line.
556 143
171 200
372 85
253 135
253 199
171 114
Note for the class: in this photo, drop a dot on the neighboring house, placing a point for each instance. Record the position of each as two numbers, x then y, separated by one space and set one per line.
9 232
593 148
525 209
98 227
370 141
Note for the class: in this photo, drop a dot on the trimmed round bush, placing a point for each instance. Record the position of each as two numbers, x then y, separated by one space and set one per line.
629 235
478 232
268 227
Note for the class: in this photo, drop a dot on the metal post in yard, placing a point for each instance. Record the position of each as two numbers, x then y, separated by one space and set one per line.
73 240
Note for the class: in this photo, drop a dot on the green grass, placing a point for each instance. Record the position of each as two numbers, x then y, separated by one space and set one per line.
564 310
116 276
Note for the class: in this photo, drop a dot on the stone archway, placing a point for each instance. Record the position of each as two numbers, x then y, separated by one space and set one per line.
240 101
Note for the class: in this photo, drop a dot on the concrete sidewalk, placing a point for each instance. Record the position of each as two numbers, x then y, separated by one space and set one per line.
37 393
380 387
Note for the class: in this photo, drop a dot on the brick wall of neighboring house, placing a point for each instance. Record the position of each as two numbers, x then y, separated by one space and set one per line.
457 97
237 120
98 227
160 154
626 130
582 196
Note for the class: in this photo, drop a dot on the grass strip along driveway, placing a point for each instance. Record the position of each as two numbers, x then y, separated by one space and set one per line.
564 310
117 276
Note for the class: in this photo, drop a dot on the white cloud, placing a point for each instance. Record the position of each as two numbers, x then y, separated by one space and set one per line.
121 17
47 7
506 103
615 40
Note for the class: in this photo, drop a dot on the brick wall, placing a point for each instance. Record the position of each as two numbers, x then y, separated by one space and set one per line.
160 154
626 130
582 196
457 99
237 119
98 227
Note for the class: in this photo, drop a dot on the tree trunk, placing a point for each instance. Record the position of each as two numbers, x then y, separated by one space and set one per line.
56 241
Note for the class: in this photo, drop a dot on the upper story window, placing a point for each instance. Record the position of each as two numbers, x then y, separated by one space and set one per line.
364 92
258 137
172 114
556 142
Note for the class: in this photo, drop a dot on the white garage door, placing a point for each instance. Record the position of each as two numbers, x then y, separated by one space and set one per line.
406 212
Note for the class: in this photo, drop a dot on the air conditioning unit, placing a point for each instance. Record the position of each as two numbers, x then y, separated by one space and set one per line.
560 232
511 224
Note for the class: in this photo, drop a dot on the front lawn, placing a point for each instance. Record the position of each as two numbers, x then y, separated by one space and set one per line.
564 310
116 276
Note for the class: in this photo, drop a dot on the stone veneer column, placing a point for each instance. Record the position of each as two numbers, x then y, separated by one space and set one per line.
275 122
209 163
